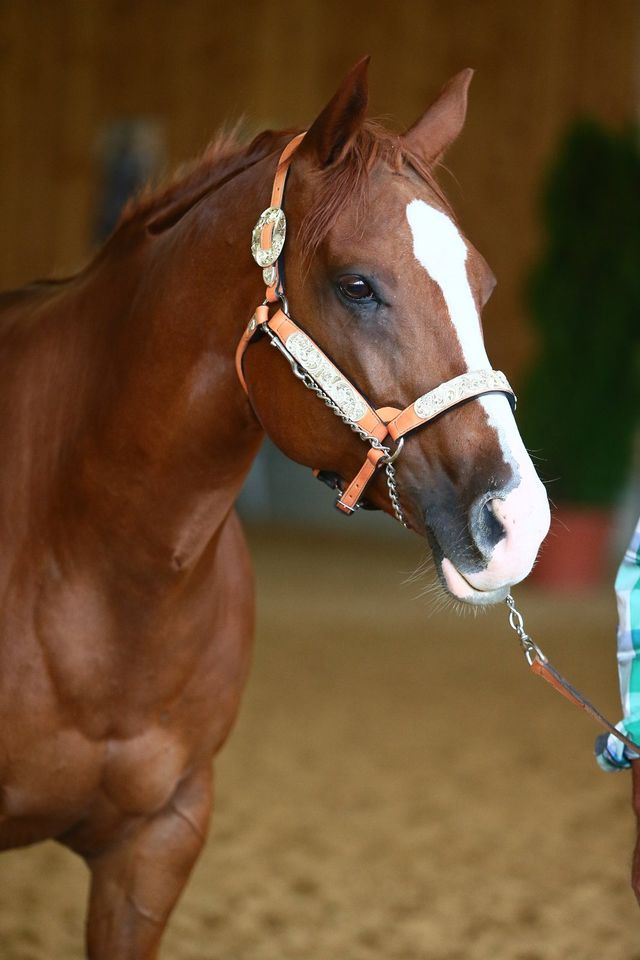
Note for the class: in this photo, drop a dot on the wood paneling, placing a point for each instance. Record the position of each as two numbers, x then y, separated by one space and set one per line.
69 66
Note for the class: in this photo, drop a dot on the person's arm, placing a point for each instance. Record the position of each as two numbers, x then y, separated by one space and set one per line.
628 594
610 752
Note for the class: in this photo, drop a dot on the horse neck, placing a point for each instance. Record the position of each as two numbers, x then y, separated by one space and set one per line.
170 439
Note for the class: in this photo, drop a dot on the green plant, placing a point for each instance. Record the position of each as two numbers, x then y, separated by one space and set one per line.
581 403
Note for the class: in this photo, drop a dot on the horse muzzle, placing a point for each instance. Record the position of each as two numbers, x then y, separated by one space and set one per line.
506 532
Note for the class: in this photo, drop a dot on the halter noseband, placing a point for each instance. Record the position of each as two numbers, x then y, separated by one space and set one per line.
317 372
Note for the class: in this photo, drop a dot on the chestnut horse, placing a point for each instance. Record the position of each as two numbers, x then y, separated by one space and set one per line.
127 595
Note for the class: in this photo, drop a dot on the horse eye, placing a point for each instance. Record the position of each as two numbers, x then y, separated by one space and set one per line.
355 288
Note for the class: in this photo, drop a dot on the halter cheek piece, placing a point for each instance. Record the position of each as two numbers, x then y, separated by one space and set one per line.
319 374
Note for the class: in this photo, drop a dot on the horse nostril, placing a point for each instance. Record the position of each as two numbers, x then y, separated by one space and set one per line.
487 529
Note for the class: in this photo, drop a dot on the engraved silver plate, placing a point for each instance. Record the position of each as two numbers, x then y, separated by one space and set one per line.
269 275
464 387
266 256
326 376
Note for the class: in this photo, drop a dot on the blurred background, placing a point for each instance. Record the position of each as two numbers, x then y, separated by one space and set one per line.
411 793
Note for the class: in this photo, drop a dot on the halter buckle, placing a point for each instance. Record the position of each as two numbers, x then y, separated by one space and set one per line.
345 508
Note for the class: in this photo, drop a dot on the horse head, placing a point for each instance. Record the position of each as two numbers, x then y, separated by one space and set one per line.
379 275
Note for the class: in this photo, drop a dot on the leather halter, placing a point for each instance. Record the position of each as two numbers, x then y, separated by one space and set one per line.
313 366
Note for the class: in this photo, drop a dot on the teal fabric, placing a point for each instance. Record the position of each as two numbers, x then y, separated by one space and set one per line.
615 756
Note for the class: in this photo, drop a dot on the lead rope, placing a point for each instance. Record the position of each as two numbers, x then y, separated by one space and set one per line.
541 666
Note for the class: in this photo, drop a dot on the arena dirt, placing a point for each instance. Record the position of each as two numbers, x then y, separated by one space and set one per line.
397 787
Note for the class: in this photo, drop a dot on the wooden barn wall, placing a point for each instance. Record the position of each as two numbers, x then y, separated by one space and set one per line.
67 67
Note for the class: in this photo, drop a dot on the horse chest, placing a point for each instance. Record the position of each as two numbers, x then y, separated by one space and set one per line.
82 722
64 778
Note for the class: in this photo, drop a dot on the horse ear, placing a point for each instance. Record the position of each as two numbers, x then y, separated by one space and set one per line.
432 135
333 130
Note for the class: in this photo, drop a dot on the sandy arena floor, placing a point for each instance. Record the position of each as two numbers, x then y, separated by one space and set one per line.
397 787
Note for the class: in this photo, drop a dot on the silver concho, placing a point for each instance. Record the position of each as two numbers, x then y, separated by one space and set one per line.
326 376
464 387
267 256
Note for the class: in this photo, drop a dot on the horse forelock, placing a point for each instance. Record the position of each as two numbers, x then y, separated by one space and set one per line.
346 182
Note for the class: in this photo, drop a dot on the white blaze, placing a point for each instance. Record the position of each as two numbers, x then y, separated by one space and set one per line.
441 250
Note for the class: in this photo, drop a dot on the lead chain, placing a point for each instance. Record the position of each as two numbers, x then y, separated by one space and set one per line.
390 471
516 621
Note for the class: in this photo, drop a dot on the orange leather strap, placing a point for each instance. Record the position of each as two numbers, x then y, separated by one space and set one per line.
260 317
277 193
447 395
283 168
546 670
313 360
542 667
347 502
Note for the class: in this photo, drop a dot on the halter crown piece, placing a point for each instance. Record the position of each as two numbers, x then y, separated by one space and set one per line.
377 427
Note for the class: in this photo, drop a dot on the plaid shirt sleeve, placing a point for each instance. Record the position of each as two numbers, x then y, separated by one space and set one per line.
611 754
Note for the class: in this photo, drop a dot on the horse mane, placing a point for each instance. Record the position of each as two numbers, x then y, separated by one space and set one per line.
345 180
224 158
